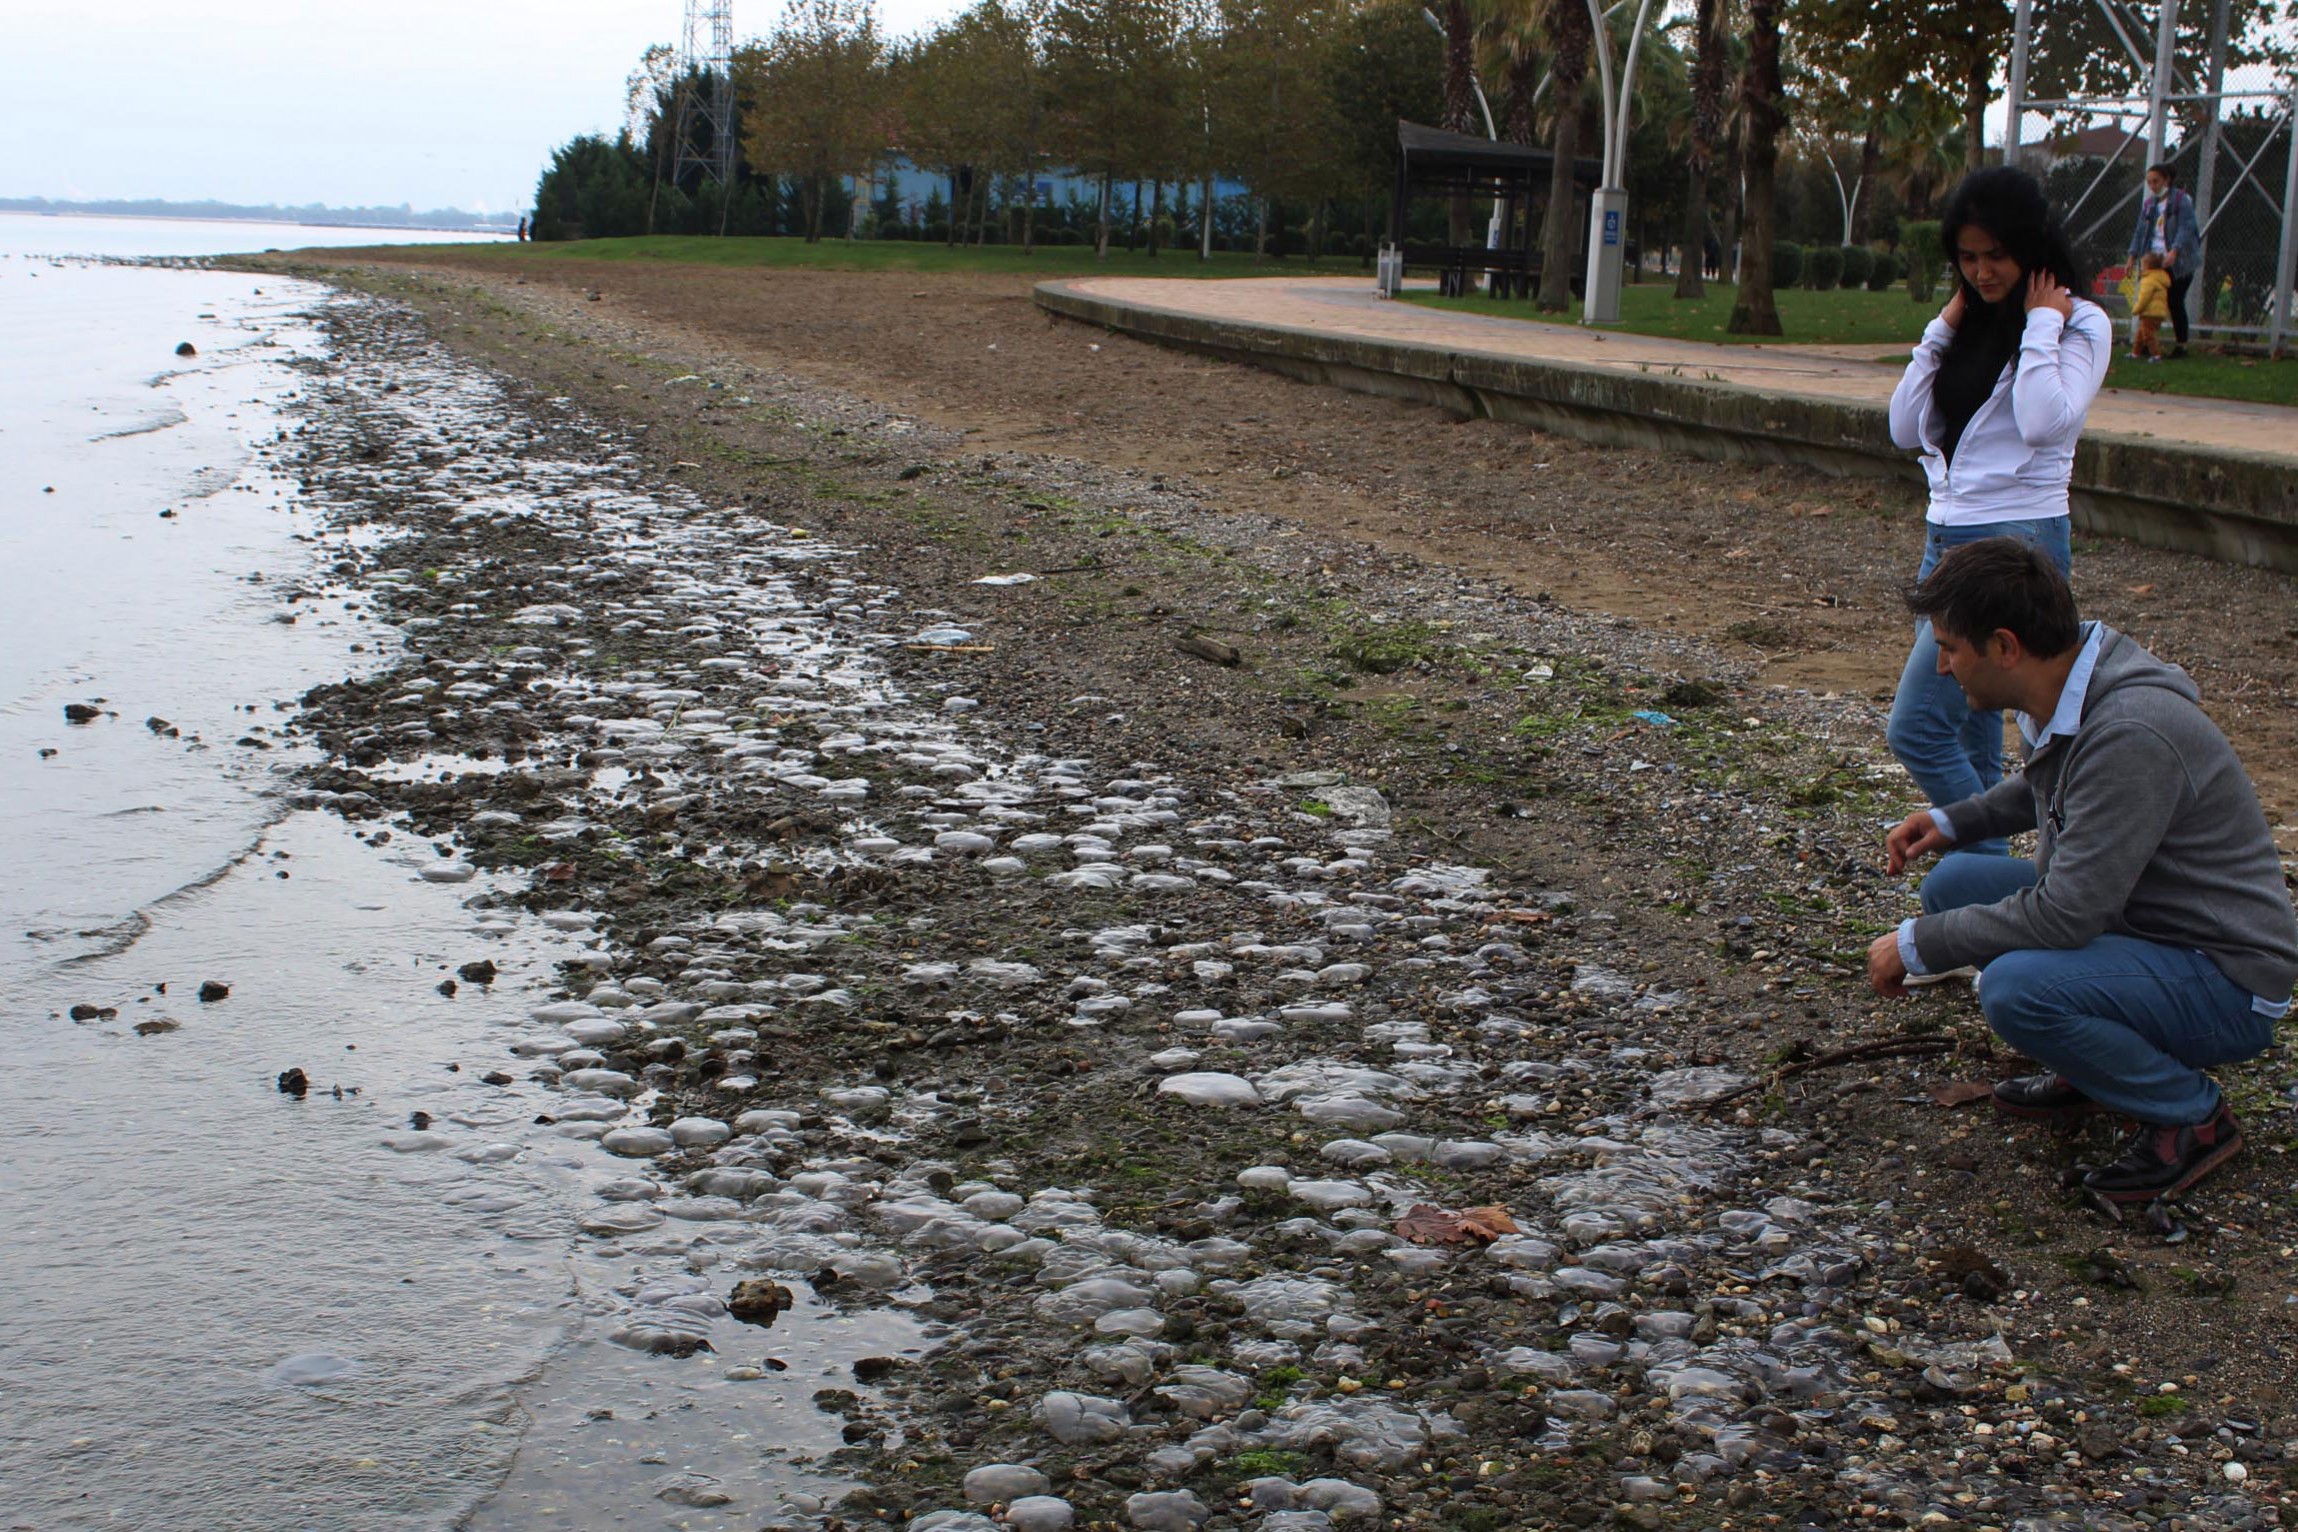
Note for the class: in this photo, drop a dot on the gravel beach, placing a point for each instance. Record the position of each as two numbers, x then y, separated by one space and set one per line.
1328 1027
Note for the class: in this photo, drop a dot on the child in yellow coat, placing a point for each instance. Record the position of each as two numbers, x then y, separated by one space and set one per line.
2149 307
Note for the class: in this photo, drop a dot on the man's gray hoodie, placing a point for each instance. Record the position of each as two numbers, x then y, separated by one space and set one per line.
2149 827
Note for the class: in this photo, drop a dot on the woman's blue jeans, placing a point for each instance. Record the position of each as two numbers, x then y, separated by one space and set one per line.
1950 748
2131 1024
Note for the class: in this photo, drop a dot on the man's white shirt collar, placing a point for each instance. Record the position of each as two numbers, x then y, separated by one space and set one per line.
2068 716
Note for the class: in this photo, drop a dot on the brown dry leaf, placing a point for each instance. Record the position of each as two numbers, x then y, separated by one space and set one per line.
1429 1225
1961 1092
559 872
1486 1224
2141 590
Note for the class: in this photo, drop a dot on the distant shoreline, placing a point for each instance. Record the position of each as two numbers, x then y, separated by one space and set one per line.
188 216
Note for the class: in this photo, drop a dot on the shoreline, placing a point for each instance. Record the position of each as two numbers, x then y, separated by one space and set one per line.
1720 1306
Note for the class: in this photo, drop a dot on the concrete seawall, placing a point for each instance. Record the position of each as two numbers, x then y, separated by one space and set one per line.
2222 503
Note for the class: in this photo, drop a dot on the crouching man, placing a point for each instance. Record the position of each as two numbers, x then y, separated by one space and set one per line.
2151 938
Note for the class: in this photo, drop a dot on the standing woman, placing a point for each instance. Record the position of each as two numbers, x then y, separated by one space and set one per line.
1994 399
2167 227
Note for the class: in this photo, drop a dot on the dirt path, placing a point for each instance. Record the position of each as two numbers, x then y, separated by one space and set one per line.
1789 569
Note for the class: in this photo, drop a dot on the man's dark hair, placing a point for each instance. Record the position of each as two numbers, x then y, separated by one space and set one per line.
2000 582
2166 170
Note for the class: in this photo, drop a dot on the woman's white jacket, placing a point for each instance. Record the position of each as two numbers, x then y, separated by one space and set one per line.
2018 452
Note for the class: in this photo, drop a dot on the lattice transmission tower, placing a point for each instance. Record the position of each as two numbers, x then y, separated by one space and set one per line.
706 96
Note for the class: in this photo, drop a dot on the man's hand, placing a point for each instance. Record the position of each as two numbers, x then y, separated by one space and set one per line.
1952 314
1915 837
1886 971
2044 292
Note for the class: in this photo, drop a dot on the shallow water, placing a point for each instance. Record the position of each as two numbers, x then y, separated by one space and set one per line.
185 1241
141 616
226 1305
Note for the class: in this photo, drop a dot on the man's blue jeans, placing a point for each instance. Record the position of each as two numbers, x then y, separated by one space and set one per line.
1951 749
2131 1024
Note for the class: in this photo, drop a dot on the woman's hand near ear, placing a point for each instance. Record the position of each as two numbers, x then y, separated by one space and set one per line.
2044 292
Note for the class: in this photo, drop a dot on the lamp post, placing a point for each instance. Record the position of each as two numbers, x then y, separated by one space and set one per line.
1608 207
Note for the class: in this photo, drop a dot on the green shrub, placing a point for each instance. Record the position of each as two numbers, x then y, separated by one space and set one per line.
1858 264
1919 242
1823 268
1884 272
1786 263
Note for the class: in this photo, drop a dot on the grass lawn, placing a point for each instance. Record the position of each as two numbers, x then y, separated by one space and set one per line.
916 256
1843 318
2205 374
1838 318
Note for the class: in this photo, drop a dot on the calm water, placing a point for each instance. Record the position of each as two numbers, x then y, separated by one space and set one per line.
74 234
225 1307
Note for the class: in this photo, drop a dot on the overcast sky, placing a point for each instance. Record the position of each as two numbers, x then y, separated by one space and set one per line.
438 103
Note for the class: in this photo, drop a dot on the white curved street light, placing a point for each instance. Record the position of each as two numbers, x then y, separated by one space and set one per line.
1608 207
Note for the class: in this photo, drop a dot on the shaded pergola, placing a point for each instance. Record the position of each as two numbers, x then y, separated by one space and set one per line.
1431 162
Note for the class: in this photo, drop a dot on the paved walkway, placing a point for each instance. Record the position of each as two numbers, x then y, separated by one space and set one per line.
1350 306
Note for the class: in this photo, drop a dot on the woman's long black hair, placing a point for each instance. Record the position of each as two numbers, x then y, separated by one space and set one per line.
2009 204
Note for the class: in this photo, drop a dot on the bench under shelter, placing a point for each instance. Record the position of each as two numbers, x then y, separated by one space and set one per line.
1432 162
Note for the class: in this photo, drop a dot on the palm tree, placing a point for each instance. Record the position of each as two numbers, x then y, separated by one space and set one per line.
1764 102
1571 32
1509 48
1709 47
1460 98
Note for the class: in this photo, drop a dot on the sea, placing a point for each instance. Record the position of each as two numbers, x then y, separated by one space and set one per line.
225 1306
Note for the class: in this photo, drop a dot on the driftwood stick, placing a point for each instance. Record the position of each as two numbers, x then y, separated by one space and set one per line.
1858 1053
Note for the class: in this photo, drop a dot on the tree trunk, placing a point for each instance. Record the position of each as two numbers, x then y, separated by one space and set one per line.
1870 158
1753 312
1563 204
957 201
813 209
1156 207
1205 220
1978 72
1570 34
1460 100
1699 156
1690 281
1261 231
1133 229
1029 206
1101 222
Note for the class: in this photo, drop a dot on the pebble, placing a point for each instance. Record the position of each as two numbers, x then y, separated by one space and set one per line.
1166 1511
1039 1513
637 1143
1211 1088
1004 1481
